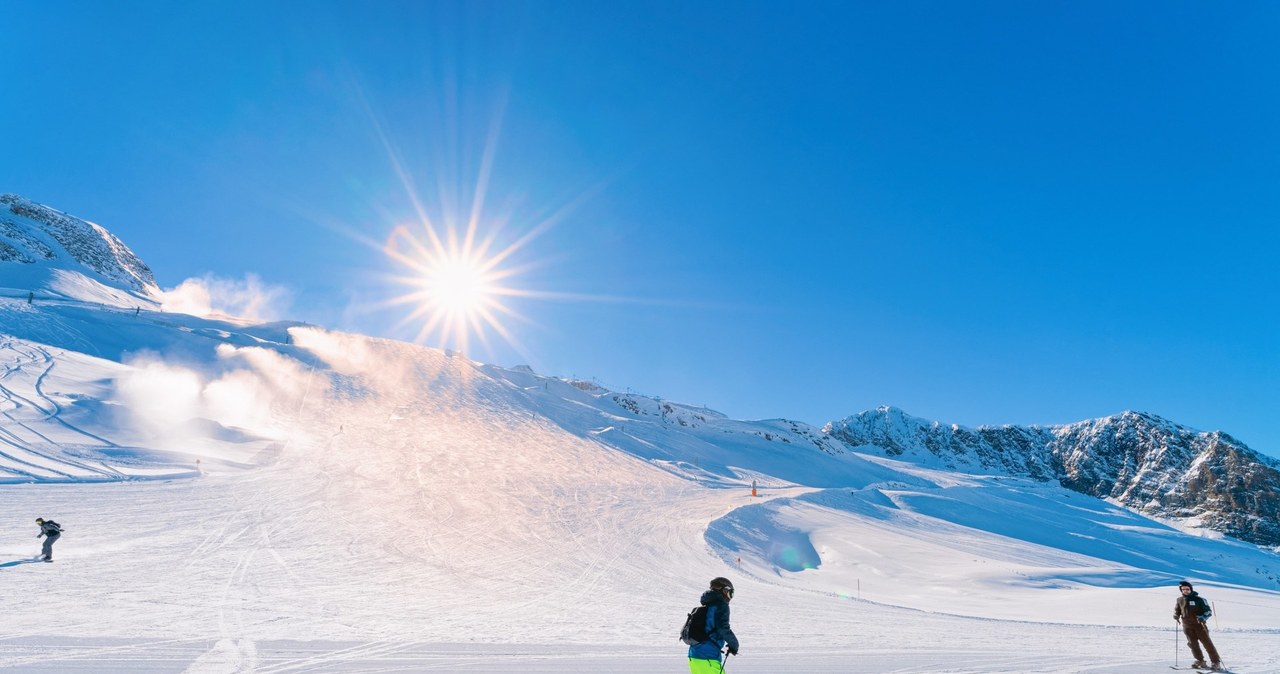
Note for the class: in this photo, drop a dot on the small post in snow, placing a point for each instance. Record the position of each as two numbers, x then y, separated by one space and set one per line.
31 296
753 488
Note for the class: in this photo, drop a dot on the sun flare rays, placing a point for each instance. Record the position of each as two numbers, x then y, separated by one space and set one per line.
456 285
462 266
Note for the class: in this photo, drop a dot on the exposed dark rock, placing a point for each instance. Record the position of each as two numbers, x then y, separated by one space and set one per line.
1142 461
31 232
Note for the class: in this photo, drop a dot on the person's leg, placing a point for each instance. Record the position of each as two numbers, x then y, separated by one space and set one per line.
701 666
1193 640
47 550
1203 634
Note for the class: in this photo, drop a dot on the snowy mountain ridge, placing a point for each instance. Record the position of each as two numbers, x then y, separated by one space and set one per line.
43 249
287 491
1147 463
1150 464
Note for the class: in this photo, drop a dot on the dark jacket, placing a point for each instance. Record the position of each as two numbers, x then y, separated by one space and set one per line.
718 629
1191 608
50 528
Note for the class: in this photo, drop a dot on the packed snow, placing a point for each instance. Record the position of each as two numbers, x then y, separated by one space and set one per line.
282 498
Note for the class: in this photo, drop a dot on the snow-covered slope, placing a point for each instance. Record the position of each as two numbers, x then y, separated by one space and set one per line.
51 255
1147 463
280 497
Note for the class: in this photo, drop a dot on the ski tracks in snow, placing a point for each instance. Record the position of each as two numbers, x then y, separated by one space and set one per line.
25 450
227 657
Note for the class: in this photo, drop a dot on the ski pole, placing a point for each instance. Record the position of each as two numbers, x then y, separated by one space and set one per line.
724 660
1175 643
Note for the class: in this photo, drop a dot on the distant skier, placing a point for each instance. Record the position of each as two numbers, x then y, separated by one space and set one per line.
1192 611
704 657
51 531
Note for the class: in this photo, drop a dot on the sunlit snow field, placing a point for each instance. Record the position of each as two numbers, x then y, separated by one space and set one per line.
271 499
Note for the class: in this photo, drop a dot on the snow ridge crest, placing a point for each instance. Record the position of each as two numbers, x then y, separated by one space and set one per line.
32 233
1146 462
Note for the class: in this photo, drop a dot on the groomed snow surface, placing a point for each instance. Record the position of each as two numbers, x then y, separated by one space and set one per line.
271 499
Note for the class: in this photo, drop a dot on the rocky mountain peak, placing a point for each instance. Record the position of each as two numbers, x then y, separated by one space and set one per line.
1146 462
35 234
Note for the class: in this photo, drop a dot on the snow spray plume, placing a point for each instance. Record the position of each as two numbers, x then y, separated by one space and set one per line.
250 299
287 377
159 396
389 369
273 387
173 405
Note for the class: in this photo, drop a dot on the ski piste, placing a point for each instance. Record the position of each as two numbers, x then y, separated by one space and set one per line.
606 491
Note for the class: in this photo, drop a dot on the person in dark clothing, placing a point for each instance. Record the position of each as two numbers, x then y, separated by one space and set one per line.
51 531
704 657
1192 611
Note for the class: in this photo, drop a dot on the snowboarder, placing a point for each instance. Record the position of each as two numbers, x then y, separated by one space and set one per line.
1192 611
704 657
51 531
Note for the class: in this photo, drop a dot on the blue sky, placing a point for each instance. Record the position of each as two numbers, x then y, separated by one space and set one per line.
978 212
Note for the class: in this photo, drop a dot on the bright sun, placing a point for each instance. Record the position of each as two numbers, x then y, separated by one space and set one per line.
455 284
455 264
458 286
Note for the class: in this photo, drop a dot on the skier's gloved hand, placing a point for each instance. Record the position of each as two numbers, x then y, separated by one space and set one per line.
733 651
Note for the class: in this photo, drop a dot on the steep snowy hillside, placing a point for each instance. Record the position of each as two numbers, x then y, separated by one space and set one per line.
1150 464
49 254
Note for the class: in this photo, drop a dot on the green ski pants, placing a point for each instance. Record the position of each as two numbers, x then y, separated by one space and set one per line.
700 666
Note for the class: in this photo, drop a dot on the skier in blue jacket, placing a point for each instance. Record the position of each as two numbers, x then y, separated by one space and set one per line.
704 657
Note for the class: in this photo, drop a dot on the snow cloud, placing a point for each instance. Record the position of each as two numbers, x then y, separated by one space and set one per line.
182 407
386 367
376 362
160 395
248 299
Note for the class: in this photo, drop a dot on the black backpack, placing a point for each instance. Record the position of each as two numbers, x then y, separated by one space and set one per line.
695 627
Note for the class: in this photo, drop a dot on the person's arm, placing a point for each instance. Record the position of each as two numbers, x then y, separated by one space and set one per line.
726 632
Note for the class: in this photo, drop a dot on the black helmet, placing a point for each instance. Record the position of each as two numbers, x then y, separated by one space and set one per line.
1185 584
720 583
39 520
